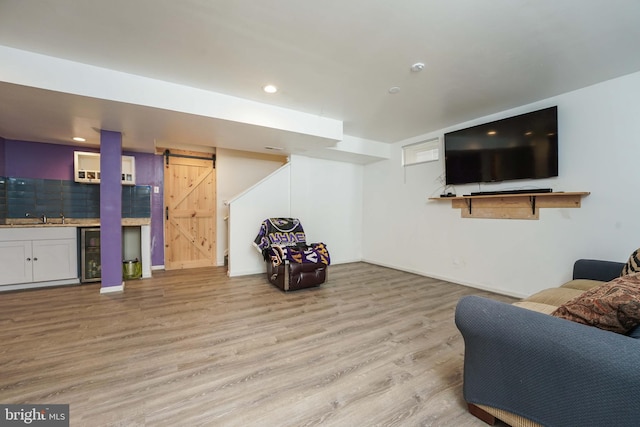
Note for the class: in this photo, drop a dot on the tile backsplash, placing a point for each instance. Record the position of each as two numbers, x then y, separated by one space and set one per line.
53 198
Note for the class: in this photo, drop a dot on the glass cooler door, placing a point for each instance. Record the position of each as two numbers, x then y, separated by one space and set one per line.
90 255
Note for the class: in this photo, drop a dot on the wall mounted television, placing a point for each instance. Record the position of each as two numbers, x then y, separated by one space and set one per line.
515 148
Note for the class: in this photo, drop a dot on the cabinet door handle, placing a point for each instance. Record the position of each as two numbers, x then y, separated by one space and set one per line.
35 259
28 259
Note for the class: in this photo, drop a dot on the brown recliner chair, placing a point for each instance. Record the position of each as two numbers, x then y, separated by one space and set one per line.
292 264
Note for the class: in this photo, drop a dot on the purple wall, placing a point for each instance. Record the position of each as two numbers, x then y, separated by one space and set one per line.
2 156
150 171
25 159
111 208
36 160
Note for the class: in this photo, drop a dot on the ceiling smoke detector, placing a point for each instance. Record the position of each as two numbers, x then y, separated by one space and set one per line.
418 66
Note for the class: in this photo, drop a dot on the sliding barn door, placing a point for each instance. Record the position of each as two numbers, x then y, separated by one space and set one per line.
190 210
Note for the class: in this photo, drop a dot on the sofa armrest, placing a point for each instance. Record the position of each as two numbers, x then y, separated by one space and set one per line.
549 370
596 269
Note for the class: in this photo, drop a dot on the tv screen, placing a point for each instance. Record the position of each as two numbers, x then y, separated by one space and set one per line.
519 147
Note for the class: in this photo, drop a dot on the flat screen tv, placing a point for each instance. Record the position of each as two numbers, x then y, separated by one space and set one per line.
519 147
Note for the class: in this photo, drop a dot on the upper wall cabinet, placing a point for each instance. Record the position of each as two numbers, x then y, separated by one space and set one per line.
86 168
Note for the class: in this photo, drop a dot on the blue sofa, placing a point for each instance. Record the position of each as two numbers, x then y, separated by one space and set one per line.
525 367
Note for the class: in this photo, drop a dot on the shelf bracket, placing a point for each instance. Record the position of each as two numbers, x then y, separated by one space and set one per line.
532 199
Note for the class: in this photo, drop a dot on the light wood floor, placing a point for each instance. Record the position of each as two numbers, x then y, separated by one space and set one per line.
371 347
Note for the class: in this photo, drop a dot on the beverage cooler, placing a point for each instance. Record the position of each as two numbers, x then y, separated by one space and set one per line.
90 264
90 268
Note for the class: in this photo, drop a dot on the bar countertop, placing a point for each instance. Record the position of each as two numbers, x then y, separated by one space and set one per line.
68 222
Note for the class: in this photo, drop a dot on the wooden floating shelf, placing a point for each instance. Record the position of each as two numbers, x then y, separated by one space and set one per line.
512 206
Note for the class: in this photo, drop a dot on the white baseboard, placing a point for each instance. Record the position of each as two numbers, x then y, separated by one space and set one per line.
449 279
246 272
39 284
346 261
112 289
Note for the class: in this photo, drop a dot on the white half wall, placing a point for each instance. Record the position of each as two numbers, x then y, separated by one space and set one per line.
598 152
237 171
269 198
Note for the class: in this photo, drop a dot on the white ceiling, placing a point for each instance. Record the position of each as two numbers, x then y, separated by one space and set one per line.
335 59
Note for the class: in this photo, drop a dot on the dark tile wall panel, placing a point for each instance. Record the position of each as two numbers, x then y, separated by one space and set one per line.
141 201
53 198
3 197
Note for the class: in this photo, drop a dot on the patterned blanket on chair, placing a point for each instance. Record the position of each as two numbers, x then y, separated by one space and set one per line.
314 253
281 239
279 232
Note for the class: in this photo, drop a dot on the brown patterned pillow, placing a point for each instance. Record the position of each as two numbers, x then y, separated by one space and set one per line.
633 265
613 306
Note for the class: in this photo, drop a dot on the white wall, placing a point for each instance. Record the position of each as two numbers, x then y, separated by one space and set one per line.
236 171
599 148
327 197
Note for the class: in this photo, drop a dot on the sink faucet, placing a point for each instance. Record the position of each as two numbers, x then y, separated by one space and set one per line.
62 216
43 218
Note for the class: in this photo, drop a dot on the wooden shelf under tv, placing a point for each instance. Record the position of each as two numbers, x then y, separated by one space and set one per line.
512 206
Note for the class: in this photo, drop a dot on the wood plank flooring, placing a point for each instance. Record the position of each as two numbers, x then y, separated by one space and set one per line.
371 347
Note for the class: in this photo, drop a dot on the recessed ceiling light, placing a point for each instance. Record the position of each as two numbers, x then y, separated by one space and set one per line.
492 132
418 66
270 89
78 139
394 89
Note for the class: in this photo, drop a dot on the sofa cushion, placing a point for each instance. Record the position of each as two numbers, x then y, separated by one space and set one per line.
633 264
613 306
536 306
554 296
582 284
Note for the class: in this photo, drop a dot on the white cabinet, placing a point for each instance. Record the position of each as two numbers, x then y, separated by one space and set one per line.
15 262
54 259
38 255
86 168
